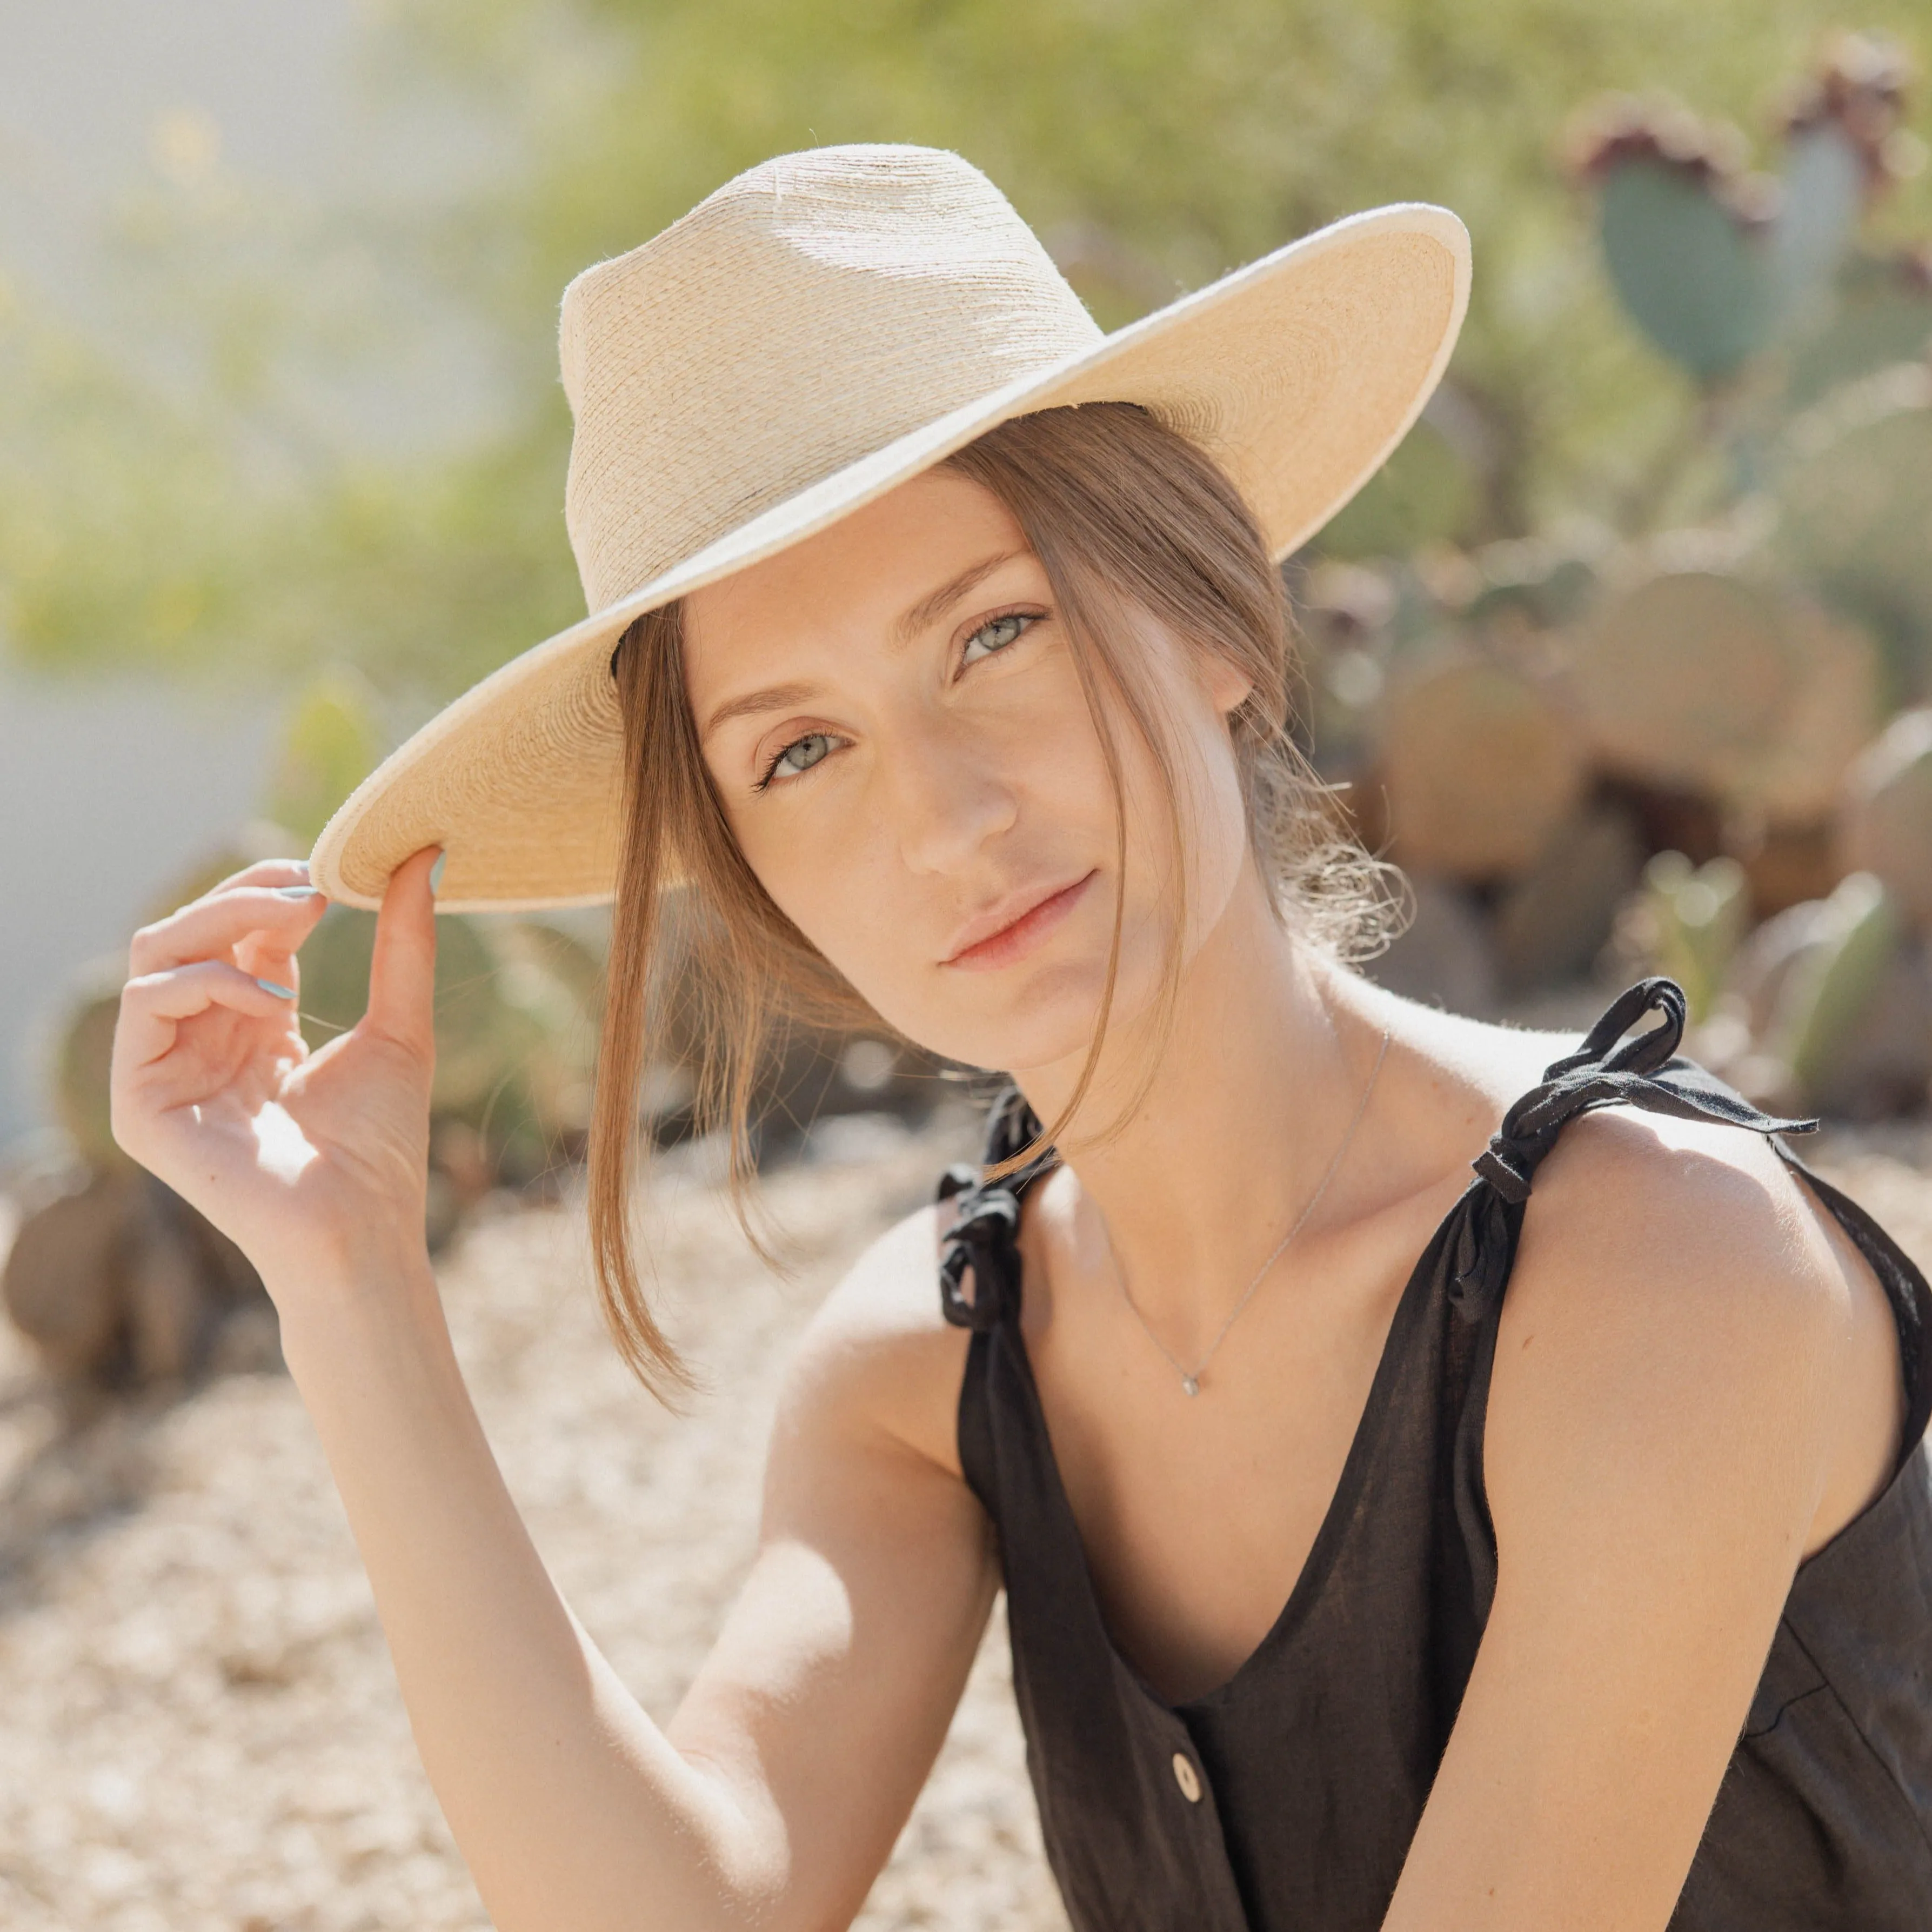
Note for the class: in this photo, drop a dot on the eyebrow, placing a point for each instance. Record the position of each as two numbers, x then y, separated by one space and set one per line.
914 619
906 627
773 698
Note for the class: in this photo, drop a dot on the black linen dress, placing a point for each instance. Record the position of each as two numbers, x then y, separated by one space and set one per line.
1285 1800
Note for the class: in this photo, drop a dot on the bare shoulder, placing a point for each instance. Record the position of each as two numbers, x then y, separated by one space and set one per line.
1682 1306
1471 1071
1676 1225
878 1359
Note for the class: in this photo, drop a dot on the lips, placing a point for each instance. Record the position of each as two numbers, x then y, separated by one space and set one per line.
1009 930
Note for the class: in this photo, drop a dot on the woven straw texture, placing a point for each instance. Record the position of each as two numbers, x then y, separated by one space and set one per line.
820 329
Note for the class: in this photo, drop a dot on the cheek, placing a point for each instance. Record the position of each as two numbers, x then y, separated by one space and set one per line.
877 874
824 875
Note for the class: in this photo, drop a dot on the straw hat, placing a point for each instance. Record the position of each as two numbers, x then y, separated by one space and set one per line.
820 329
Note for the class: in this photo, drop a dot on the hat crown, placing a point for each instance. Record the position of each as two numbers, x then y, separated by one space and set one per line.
809 312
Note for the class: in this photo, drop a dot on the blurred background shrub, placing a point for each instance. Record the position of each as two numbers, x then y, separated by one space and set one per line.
206 505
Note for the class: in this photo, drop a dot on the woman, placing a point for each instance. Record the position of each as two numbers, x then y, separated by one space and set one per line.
936 646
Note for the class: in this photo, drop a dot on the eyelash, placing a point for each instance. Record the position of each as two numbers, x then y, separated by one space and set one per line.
1027 620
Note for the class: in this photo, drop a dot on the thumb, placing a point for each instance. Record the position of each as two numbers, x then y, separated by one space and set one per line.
402 972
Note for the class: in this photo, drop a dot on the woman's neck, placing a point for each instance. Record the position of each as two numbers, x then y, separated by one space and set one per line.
1258 1081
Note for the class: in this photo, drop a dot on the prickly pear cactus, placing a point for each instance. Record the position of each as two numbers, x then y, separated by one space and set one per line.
1793 778
1715 265
1693 271
1524 582
62 1280
1881 316
556 977
1828 990
1711 266
1550 924
83 1058
1683 679
1854 501
1480 766
1735 689
1884 826
1821 198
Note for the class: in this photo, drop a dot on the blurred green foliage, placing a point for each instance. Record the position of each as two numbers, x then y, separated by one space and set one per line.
210 519
330 743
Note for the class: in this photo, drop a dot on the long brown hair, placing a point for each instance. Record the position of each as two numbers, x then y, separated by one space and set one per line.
1122 513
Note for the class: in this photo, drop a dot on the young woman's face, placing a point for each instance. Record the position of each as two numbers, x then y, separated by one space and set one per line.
895 722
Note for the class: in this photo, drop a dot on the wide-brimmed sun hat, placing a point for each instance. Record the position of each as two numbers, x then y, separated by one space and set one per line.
820 329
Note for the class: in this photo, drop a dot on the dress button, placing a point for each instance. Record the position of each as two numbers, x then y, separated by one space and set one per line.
1187 1777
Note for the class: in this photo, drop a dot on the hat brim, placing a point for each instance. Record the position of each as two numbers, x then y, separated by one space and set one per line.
1298 374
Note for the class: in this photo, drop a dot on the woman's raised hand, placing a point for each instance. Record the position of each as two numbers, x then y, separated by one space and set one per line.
312 1163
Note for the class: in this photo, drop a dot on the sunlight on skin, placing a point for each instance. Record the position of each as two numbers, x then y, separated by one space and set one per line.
284 1150
901 789
916 780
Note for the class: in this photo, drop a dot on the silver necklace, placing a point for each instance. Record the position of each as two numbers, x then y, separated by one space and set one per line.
1190 1379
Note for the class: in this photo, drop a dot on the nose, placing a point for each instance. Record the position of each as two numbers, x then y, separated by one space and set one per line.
948 796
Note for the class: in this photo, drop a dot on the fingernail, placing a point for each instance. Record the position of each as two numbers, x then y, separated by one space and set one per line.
436 870
297 892
280 992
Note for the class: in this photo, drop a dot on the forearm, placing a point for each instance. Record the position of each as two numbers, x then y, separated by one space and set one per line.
571 1807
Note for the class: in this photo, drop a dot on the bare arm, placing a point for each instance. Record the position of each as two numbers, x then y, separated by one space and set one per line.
777 1791
1693 1387
785 1776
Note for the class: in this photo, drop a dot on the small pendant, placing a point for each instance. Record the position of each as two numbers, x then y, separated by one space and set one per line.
1191 1385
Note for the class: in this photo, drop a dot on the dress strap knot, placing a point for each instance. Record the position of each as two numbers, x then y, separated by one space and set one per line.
1501 1164
984 1237
1648 1050
1644 1070
985 1240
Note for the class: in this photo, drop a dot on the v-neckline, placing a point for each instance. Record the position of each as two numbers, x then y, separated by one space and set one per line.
1370 1427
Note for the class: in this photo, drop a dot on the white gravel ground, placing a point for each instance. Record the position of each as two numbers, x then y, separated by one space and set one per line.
202 1732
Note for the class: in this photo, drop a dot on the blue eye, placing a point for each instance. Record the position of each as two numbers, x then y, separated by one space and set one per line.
996 635
800 755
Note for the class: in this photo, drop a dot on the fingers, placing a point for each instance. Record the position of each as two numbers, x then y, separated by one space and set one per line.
153 1007
402 973
210 927
264 872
